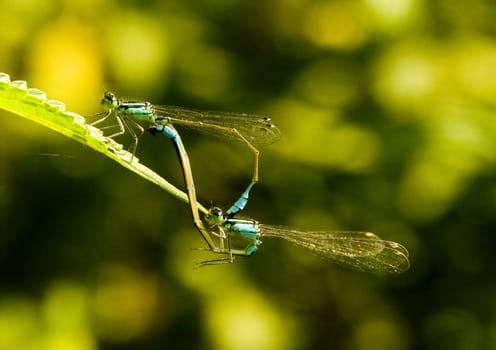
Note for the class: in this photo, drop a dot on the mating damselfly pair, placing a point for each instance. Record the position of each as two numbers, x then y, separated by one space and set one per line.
355 249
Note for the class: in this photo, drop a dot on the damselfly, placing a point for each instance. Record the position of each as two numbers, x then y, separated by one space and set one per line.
252 130
359 250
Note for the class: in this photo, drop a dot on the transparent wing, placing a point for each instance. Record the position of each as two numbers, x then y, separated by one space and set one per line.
258 130
359 250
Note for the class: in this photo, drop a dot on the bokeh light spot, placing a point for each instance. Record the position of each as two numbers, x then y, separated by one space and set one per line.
65 62
246 320
327 83
139 52
126 304
404 75
380 334
337 24
336 143
392 13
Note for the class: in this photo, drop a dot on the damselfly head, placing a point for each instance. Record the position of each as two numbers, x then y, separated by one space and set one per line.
215 216
109 100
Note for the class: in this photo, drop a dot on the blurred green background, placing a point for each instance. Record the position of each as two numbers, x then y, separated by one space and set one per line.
387 109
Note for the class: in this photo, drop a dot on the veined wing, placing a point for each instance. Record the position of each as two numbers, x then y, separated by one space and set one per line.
355 249
257 130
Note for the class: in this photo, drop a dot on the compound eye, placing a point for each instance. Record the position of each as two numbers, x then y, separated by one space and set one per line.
216 211
109 96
